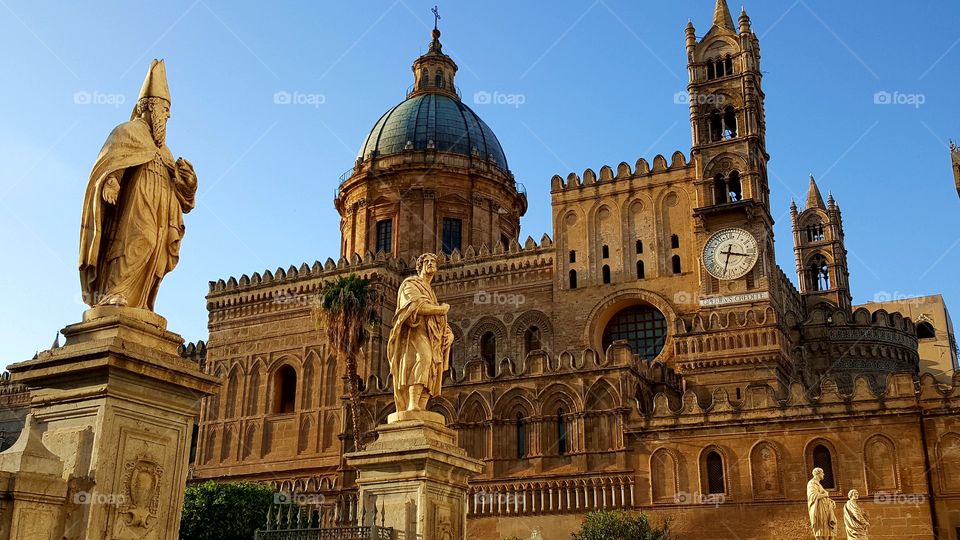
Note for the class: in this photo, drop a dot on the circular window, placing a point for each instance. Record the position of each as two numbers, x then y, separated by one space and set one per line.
643 327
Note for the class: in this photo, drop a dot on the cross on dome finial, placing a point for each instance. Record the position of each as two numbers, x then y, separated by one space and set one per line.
436 16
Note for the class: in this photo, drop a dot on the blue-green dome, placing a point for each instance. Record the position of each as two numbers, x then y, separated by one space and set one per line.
451 125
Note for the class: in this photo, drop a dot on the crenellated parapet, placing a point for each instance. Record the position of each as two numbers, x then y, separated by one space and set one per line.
642 169
765 403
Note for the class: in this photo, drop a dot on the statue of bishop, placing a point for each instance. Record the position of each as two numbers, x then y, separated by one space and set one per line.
132 220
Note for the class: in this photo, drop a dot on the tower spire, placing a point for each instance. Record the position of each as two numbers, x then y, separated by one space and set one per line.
814 199
721 15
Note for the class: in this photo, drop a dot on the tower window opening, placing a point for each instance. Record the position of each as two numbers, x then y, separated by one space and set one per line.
639 247
640 273
521 436
734 187
606 274
674 241
676 264
719 190
285 390
716 125
715 480
819 274
729 122
605 252
728 65
925 330
439 79
573 279
531 340
815 232
573 256
424 77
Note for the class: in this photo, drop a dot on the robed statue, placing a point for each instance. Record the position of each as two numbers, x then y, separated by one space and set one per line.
132 221
854 518
823 520
420 340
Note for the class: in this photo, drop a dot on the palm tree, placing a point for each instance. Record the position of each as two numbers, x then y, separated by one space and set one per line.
346 314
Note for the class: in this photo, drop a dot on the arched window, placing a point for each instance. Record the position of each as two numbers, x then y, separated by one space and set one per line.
720 192
823 460
488 352
925 330
573 279
284 390
734 187
606 274
424 77
815 232
676 264
531 340
711 70
674 241
728 66
729 122
605 252
819 274
643 327
715 480
573 256
716 125
521 436
640 273
561 433
439 79
639 247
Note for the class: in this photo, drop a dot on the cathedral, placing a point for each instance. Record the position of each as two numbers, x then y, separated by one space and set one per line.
646 354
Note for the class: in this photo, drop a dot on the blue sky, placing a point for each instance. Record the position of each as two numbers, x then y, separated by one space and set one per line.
597 80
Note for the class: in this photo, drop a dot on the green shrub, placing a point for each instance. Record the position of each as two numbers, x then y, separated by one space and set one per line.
606 525
224 511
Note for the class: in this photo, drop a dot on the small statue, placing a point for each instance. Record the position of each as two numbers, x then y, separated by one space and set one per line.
419 345
823 520
132 221
854 518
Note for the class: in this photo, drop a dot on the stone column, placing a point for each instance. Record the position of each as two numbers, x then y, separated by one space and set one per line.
116 405
415 476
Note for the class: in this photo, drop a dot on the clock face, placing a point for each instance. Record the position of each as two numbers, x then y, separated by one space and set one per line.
730 253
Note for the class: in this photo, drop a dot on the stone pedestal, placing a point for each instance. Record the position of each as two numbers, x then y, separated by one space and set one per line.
116 404
416 475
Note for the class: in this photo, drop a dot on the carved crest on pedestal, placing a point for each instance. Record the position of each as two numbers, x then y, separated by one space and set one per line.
141 493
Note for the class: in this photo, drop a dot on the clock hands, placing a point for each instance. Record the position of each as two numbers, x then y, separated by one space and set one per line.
728 253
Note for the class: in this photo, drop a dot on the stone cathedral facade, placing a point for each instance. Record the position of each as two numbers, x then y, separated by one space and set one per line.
647 354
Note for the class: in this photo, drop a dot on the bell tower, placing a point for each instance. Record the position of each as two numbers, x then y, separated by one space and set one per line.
821 255
729 150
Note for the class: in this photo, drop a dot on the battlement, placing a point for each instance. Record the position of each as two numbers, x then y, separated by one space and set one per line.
900 391
642 168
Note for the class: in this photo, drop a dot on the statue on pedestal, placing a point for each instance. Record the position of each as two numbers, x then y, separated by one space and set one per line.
854 519
823 520
420 340
132 221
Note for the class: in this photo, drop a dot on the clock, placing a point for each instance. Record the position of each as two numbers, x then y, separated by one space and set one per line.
730 253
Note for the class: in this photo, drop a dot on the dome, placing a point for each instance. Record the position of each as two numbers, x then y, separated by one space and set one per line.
445 120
